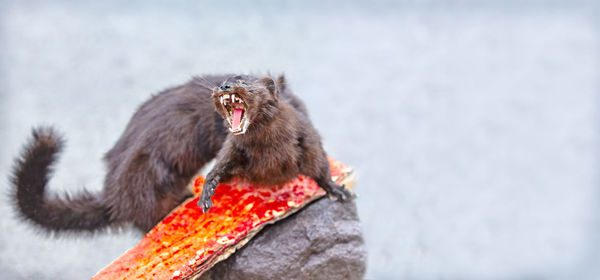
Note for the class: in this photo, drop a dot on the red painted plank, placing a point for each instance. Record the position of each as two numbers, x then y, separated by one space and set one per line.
187 242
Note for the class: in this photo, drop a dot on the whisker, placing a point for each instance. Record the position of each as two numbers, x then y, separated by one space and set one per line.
210 85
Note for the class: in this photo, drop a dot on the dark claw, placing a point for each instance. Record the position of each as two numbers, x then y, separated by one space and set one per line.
206 205
339 192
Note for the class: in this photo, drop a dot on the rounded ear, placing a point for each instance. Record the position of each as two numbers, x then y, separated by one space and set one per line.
281 82
270 85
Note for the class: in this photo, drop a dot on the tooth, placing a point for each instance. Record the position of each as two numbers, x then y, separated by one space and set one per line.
221 99
232 98
226 96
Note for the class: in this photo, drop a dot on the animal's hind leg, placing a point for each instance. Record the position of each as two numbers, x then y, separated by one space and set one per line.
324 181
334 190
166 202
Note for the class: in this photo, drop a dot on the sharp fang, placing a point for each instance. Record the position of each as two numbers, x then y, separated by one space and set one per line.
221 99
232 98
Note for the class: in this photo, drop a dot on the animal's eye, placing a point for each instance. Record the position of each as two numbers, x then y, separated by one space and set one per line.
225 87
244 84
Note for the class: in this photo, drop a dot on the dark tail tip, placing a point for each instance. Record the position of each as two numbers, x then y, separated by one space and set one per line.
32 170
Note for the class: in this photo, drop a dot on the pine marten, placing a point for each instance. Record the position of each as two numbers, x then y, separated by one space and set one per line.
257 129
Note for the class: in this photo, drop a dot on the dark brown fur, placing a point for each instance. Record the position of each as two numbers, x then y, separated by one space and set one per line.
280 142
166 142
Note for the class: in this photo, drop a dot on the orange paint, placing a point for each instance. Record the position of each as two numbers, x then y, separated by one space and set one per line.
187 242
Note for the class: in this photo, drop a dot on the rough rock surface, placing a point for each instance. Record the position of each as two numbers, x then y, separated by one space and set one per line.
322 241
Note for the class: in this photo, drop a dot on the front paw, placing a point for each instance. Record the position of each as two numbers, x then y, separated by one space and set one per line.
339 193
207 192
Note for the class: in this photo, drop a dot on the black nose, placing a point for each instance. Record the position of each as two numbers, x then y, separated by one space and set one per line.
225 87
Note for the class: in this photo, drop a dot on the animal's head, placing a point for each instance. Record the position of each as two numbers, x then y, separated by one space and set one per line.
246 100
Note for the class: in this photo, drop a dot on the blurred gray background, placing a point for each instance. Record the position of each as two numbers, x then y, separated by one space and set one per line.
472 125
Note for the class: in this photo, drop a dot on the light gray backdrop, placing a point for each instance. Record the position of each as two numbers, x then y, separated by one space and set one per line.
472 125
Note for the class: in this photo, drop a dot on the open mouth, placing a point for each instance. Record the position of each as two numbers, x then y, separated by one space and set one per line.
235 113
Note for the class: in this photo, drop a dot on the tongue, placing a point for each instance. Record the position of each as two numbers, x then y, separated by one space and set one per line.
237 118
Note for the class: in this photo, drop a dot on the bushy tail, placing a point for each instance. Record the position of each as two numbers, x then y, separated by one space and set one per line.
30 176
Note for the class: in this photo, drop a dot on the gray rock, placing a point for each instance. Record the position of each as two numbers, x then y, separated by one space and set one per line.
322 241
